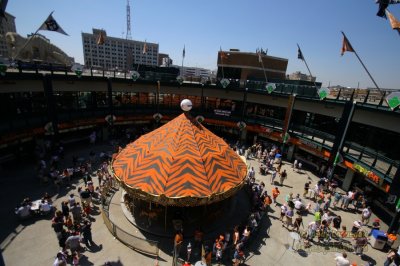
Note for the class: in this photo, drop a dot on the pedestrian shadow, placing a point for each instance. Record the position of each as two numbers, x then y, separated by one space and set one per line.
273 217
302 253
258 240
113 263
94 248
84 260
368 259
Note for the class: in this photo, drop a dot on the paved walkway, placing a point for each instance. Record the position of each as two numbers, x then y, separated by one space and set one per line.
34 242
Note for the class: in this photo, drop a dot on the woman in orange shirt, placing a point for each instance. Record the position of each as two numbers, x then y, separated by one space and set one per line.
275 194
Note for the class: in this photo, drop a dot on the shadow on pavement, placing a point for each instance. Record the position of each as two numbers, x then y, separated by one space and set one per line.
367 258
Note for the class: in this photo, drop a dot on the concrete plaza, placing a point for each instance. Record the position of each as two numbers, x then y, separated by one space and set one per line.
33 242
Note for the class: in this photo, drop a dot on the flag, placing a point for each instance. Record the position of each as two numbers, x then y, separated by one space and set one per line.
346 47
300 54
183 52
338 158
3 6
51 24
144 47
101 38
393 21
383 4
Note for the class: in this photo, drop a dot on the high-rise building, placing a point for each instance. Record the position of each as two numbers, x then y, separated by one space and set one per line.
6 25
117 52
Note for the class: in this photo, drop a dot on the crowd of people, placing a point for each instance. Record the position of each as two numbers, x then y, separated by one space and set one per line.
72 220
229 245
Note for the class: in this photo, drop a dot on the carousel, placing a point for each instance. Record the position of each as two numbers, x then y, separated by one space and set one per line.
178 176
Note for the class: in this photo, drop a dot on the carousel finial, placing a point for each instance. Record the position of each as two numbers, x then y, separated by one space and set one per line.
186 105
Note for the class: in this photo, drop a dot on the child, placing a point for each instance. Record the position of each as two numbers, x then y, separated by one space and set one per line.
75 259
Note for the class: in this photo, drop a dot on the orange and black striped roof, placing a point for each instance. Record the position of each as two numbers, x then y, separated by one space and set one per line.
181 160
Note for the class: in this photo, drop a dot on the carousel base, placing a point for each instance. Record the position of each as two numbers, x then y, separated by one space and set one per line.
212 220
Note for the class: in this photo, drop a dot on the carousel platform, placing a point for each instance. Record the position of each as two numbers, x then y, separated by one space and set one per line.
153 224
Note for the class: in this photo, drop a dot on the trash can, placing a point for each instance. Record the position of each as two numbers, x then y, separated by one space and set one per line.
378 239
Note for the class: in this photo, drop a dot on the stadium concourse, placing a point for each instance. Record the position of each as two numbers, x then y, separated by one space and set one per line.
33 241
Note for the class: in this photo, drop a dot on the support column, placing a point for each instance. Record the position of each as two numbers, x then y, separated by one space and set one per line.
243 135
344 124
51 104
286 123
242 131
348 179
110 107
395 190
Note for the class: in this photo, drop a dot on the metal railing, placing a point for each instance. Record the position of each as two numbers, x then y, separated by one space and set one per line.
372 98
380 164
142 245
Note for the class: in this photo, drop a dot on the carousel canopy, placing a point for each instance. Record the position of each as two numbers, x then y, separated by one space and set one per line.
181 163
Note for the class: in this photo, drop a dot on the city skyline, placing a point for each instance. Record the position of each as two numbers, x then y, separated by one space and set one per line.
205 28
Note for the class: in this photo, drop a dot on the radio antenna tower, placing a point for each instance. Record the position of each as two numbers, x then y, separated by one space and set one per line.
128 21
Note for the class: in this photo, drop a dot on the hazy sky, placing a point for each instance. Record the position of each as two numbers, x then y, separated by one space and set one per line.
205 26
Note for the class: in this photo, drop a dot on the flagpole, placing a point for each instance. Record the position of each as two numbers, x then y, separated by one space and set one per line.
183 58
30 39
222 63
262 64
305 62
359 59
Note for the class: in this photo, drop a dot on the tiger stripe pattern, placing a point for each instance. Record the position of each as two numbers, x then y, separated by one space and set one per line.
180 159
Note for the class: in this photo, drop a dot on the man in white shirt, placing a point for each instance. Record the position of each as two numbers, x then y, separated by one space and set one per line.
45 207
365 215
24 211
298 205
341 260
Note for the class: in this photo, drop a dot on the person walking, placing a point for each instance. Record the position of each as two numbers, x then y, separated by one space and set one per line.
273 176
275 194
360 242
306 188
336 198
341 260
297 222
283 212
390 257
365 215
283 176
73 243
288 219
87 233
